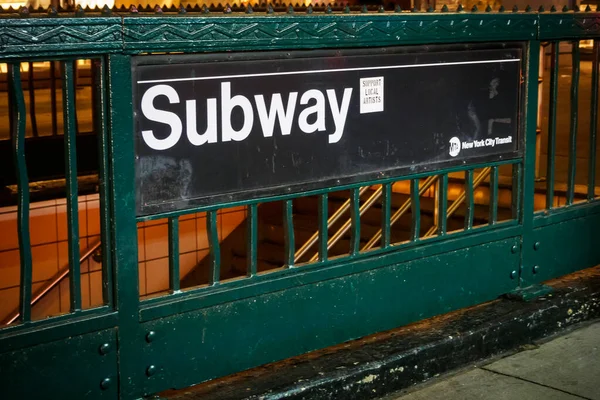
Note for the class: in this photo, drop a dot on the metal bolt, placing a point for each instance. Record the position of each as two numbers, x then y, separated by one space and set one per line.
105 384
514 248
536 245
150 336
104 348
513 274
536 269
151 370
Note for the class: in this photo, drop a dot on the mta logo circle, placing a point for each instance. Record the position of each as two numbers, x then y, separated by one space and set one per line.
454 146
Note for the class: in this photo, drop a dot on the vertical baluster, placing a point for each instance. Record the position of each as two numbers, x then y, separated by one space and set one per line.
71 184
469 199
288 226
215 248
552 125
53 97
355 221
323 233
493 202
95 82
436 202
442 204
11 107
593 121
18 118
386 211
574 120
31 87
252 240
415 204
100 126
75 83
516 191
174 254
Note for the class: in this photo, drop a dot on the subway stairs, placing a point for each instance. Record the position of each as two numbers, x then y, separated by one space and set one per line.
271 231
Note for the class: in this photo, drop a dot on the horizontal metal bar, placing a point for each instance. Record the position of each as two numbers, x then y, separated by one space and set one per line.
20 336
288 278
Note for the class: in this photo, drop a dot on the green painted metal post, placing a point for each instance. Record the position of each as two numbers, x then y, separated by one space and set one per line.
526 277
124 228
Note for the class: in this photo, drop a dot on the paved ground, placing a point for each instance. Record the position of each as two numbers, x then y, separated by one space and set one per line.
564 368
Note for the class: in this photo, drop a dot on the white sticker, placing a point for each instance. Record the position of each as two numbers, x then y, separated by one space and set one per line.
371 94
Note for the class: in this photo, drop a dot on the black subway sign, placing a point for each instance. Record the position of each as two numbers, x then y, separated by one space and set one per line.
214 128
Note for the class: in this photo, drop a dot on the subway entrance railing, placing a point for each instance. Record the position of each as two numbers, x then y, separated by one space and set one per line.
249 208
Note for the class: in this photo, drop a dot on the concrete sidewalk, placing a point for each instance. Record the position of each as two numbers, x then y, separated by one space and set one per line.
564 368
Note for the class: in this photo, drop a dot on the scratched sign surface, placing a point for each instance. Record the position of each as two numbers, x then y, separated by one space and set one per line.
213 128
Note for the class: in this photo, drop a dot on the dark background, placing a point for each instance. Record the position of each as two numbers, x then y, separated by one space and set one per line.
424 107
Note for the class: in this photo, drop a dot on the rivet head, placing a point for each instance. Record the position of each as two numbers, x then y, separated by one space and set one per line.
151 370
105 384
514 248
513 274
536 245
536 269
104 348
150 336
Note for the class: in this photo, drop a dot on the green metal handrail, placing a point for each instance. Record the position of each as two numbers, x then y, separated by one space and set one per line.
330 221
397 215
53 282
401 211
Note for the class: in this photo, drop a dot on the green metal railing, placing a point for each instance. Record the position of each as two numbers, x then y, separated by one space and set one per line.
53 283
131 346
